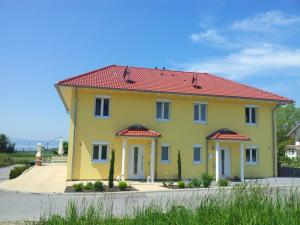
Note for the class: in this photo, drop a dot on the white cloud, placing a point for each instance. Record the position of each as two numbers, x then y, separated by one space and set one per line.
265 21
249 61
208 35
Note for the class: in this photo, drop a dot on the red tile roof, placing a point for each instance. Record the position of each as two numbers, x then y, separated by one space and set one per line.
138 131
225 134
167 81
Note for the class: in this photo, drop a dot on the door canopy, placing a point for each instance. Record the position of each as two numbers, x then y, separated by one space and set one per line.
138 131
226 134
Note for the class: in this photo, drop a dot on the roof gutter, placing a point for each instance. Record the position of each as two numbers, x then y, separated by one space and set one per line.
61 97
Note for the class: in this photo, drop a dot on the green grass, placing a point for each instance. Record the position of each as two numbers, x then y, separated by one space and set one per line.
242 205
7 159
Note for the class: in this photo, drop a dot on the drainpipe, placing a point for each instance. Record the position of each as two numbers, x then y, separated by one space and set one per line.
74 135
274 139
206 153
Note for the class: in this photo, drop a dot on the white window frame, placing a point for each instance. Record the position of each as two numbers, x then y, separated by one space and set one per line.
163 110
197 146
102 97
250 115
251 148
165 161
199 116
100 152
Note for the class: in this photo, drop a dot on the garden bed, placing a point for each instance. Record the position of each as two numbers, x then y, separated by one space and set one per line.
70 189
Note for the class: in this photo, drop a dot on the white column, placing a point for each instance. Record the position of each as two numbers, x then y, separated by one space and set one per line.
217 161
152 160
123 158
242 161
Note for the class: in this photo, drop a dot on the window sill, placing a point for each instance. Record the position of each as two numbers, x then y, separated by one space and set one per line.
99 161
200 122
196 162
164 161
251 164
163 120
103 117
252 124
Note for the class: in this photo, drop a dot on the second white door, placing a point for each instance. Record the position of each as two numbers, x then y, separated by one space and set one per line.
136 162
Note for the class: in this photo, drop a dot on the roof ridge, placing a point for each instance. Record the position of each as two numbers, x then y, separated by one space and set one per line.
85 74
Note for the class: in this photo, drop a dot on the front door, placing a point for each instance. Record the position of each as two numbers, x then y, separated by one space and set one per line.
225 163
136 162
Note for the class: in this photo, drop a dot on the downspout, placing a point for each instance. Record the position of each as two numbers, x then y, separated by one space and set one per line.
206 158
274 139
74 135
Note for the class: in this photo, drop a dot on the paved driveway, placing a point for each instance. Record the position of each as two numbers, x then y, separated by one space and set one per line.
4 173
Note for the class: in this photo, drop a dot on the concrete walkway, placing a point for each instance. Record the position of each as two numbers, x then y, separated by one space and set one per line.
39 179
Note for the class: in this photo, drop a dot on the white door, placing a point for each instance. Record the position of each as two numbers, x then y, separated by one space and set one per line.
225 163
136 162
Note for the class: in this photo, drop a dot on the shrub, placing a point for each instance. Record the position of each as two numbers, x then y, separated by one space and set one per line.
5 160
122 185
78 187
223 182
98 186
206 179
181 184
89 186
65 147
111 169
195 182
17 171
179 166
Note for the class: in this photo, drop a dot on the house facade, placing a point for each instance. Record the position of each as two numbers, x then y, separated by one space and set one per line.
147 115
293 151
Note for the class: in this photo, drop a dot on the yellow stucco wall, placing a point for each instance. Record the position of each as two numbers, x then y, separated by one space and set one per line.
128 108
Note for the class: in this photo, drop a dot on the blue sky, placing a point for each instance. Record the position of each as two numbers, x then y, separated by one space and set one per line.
41 42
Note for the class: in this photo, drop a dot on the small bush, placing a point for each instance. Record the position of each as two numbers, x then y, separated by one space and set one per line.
181 184
223 182
206 179
122 185
89 186
98 186
17 171
78 187
195 183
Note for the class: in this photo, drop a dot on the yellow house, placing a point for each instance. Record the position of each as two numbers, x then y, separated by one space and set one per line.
220 127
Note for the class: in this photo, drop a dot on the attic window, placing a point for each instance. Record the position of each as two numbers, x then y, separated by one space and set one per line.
195 82
126 76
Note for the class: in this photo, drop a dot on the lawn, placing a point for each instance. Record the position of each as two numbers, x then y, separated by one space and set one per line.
7 159
241 205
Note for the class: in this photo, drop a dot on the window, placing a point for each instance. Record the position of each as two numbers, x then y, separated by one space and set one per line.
200 112
163 110
102 106
251 114
251 155
165 153
197 154
100 152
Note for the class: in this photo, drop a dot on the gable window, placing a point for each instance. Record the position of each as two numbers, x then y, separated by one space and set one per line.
165 150
163 110
200 112
251 155
102 106
197 154
100 152
251 115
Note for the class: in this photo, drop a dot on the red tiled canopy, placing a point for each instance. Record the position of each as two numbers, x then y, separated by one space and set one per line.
167 81
225 134
138 131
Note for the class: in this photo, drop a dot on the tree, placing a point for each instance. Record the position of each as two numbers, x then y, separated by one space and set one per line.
111 169
5 144
65 147
287 117
179 166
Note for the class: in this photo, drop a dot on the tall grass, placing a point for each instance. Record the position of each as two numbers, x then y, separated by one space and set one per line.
241 205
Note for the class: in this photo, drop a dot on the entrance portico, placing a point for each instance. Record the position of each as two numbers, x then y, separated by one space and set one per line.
222 162
137 152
